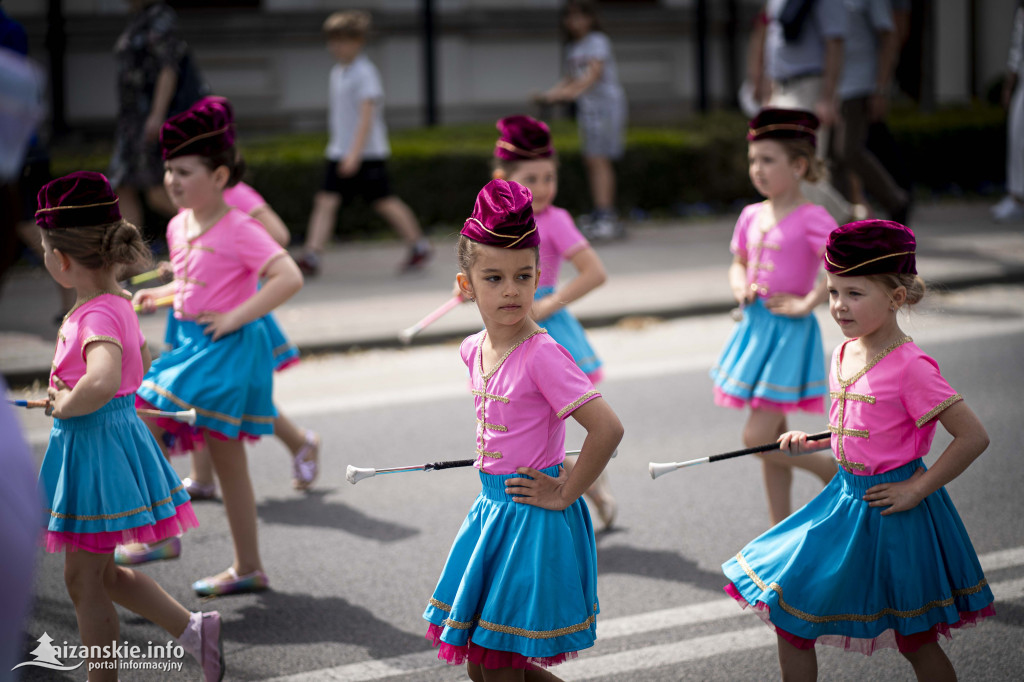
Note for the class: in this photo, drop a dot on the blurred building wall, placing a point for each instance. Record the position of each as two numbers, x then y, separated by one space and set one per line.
492 54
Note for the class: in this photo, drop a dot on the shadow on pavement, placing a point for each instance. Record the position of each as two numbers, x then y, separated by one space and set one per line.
313 509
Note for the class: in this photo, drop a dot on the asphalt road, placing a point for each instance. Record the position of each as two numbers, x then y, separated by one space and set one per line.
352 566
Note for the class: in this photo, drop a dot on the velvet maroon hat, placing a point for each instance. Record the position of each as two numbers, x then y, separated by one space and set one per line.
523 138
871 247
783 124
206 128
79 199
503 216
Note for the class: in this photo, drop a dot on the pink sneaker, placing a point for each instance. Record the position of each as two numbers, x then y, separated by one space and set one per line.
306 462
211 648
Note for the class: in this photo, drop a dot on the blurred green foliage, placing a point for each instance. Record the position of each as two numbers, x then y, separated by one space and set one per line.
438 171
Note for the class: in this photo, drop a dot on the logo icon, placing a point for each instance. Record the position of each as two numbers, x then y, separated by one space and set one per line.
46 656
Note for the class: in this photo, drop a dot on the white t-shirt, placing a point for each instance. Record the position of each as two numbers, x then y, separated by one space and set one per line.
350 86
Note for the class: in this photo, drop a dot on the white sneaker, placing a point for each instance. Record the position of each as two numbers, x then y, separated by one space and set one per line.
1005 204
1013 213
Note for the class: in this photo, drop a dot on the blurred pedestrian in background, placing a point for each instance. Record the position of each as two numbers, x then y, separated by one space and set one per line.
870 52
156 78
1011 208
358 148
21 108
804 59
592 82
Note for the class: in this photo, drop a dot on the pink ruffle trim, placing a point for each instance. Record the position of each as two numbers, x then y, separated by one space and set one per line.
182 439
814 404
291 362
104 542
890 639
491 659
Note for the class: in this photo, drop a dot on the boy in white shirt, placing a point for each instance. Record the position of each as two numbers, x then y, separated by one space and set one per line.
358 146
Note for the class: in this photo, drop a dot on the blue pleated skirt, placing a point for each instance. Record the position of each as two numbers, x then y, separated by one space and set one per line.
839 572
103 472
285 352
519 578
568 333
773 362
229 382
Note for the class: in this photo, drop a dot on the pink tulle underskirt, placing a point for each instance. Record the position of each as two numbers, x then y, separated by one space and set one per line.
291 362
184 438
814 404
491 659
104 542
890 639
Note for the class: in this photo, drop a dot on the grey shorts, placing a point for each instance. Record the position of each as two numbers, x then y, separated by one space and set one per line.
602 128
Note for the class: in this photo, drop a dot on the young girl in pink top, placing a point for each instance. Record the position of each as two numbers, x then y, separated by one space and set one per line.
880 558
519 588
103 477
222 360
773 361
524 154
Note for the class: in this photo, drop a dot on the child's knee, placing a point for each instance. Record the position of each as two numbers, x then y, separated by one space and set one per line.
80 580
474 672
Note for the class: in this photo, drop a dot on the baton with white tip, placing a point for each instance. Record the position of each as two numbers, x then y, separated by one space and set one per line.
186 416
405 336
355 474
658 468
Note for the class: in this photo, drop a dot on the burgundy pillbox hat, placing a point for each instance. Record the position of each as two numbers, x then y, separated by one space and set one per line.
871 247
206 128
503 217
783 124
523 138
79 199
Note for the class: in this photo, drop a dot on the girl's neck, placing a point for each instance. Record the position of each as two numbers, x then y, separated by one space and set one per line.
787 202
94 283
206 216
880 339
503 337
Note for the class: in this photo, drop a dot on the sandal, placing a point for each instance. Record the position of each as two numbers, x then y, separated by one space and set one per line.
142 552
215 586
306 462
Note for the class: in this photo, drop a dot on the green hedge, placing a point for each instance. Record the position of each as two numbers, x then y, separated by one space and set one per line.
437 171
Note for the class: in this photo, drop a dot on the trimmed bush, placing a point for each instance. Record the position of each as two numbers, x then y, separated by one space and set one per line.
438 171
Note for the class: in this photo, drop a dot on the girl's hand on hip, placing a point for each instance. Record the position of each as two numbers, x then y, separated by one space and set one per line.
58 396
539 489
217 325
787 305
899 496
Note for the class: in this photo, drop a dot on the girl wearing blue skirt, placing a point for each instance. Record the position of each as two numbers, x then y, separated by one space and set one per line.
880 558
303 444
519 588
221 362
524 154
103 478
773 362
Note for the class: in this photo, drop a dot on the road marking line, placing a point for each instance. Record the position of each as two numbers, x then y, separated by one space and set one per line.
645 657
672 653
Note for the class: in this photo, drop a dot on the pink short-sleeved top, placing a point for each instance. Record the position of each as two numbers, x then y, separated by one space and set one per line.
107 317
220 268
559 241
244 198
783 257
522 401
884 416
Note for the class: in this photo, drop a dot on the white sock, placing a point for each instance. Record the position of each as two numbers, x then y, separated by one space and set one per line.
191 640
